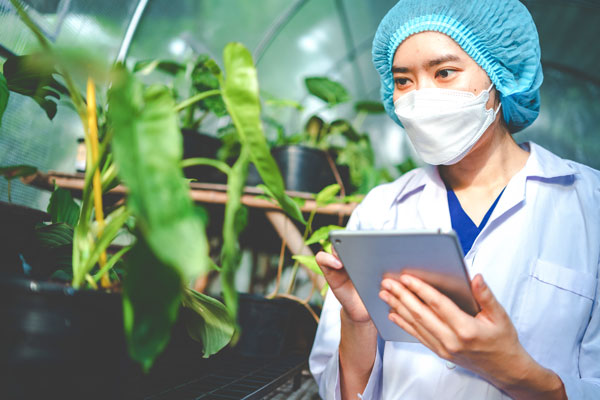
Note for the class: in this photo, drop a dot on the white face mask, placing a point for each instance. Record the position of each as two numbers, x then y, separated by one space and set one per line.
443 124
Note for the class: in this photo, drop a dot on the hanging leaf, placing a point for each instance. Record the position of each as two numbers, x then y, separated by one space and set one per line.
3 95
371 107
327 194
310 262
321 235
327 90
62 207
16 171
152 293
147 150
344 128
230 251
207 321
32 75
240 93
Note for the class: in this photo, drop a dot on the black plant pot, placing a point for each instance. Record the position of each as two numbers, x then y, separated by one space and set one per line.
272 328
60 342
197 144
17 225
304 169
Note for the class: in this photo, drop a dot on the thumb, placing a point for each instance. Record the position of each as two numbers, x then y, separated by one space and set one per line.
485 298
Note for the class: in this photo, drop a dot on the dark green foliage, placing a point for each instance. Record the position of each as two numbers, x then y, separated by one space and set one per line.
327 90
32 75
62 207
152 293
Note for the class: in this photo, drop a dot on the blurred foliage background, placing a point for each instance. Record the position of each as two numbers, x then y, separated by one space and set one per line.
290 40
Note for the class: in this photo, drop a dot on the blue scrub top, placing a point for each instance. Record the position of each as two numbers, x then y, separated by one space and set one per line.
462 224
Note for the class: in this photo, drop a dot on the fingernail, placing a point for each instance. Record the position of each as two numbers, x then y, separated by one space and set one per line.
338 263
405 280
386 284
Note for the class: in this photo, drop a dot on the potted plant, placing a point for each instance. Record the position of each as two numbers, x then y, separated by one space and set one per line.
195 86
79 330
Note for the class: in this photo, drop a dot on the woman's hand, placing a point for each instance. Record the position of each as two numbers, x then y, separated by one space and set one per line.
486 344
342 287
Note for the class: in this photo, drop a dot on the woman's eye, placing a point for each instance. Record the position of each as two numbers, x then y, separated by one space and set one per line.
445 73
401 81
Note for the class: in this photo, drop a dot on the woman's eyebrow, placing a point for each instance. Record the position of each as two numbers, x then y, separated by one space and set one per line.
429 64
441 60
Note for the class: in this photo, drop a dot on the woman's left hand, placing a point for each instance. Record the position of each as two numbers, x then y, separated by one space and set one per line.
486 344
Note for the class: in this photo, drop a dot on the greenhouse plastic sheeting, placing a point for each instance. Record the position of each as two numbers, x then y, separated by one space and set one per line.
290 41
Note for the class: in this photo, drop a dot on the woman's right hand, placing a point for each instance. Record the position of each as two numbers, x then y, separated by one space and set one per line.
342 287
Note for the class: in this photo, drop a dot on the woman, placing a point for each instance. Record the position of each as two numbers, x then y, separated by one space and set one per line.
461 77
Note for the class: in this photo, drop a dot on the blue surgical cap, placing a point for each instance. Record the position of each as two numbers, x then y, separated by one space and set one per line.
499 35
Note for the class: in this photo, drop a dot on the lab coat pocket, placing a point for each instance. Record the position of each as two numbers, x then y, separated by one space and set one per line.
556 309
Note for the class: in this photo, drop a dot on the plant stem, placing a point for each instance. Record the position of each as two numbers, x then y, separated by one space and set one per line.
307 231
97 184
196 98
220 165
279 269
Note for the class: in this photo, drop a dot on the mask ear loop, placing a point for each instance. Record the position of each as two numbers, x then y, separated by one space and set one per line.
499 105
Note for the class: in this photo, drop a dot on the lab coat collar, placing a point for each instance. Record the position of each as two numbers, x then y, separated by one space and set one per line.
433 209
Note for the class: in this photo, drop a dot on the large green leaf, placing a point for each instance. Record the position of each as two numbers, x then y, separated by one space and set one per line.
3 96
327 90
152 294
62 207
57 240
240 93
234 212
32 75
147 150
208 321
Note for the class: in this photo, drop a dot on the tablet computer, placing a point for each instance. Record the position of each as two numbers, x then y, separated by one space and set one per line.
433 256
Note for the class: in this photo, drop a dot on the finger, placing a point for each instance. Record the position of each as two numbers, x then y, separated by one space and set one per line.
486 299
421 313
327 260
445 308
400 315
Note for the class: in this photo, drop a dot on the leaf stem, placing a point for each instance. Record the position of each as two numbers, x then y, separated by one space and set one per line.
196 98
97 184
220 165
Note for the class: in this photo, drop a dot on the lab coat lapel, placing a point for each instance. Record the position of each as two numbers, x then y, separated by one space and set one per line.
541 165
433 203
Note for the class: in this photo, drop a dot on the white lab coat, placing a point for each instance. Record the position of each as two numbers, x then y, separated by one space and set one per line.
540 255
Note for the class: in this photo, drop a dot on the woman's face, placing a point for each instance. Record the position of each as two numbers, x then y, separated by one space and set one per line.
434 60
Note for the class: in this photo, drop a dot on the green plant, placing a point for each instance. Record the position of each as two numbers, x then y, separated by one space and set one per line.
194 84
339 138
142 148
238 88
